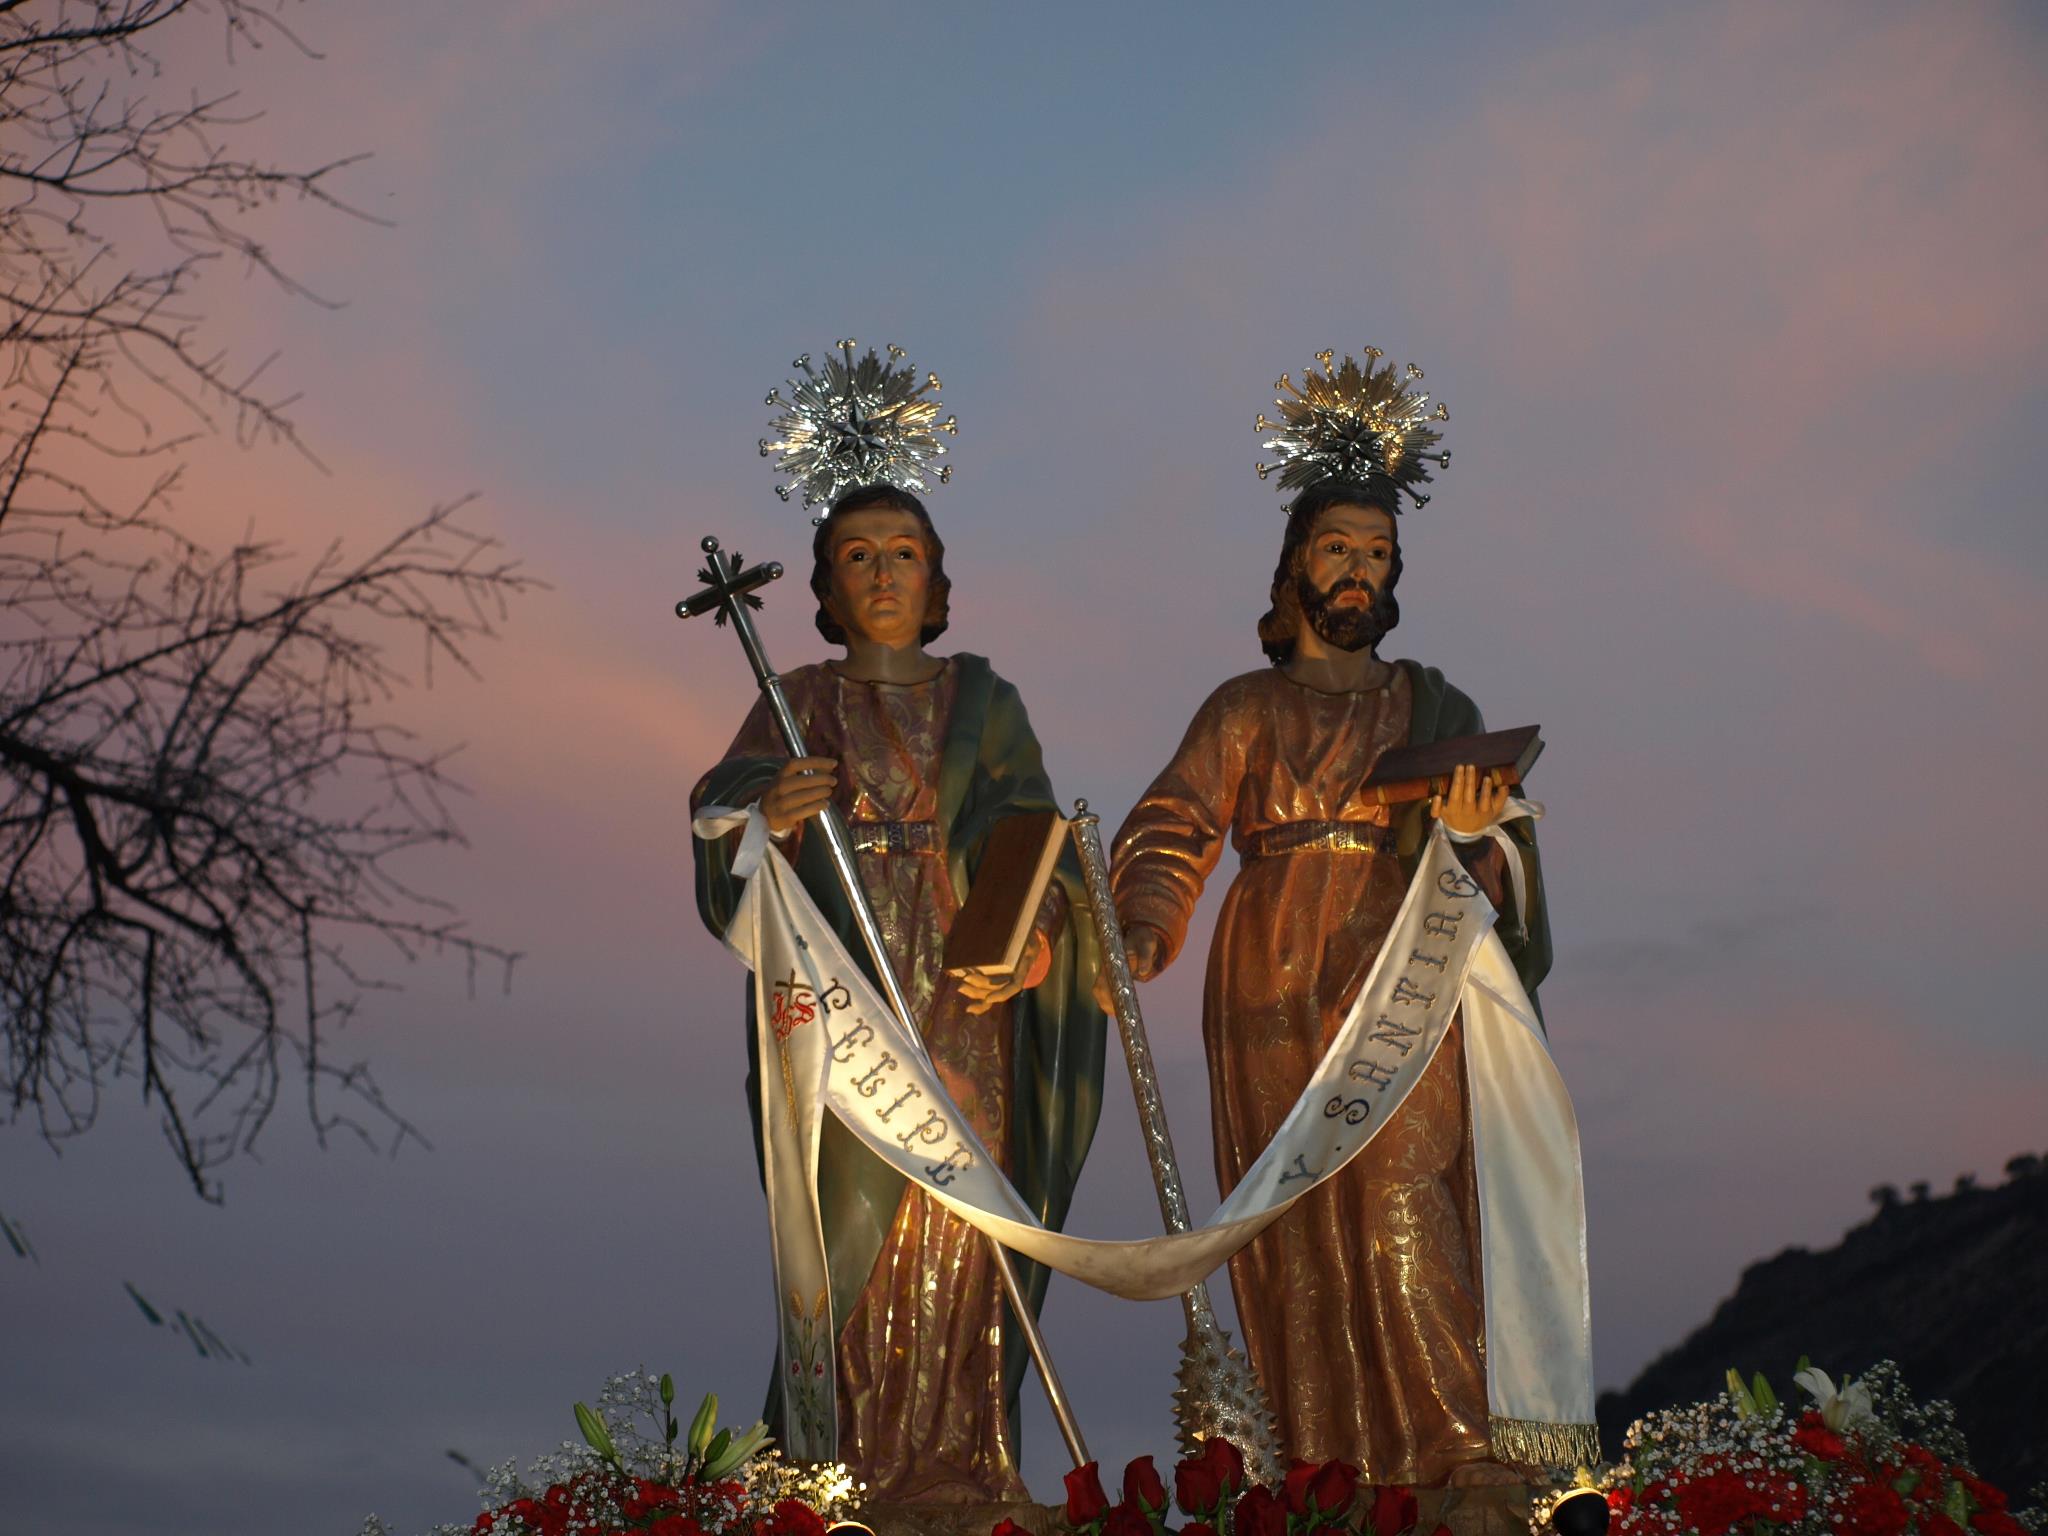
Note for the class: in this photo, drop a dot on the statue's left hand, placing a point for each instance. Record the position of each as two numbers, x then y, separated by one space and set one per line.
1472 805
984 989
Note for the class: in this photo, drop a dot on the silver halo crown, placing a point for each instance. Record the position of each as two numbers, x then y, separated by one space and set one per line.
863 422
1360 424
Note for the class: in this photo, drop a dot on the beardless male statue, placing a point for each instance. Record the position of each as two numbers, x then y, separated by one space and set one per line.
923 755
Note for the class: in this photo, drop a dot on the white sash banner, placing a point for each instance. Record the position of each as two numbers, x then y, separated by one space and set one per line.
828 1040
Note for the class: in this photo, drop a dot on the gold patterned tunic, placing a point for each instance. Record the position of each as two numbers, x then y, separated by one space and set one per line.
1361 1306
920 1357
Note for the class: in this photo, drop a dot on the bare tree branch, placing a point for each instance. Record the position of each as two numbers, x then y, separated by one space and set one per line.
202 804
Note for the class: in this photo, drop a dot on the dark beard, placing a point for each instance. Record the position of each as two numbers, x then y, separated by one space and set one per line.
1349 629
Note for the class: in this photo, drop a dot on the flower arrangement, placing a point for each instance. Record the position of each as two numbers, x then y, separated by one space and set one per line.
624 1479
1862 1460
1213 1492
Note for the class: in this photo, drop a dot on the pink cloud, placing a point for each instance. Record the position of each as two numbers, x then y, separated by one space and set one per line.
1725 1121
1750 285
1807 261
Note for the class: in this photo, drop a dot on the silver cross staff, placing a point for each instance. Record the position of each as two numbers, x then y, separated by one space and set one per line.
729 591
1218 1394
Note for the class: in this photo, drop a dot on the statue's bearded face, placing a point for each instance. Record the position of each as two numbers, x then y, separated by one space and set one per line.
1344 569
881 575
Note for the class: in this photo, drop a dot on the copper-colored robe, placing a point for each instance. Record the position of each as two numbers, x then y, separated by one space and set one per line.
1361 1306
920 1351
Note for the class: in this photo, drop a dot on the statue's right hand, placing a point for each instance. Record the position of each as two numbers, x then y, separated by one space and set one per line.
1142 949
800 790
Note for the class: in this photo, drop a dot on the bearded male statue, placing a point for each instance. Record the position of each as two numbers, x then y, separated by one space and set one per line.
1361 1306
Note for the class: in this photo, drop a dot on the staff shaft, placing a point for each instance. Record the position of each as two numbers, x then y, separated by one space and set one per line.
1218 1393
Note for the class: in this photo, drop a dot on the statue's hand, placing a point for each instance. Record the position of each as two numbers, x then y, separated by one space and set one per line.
1471 806
800 790
984 989
1144 949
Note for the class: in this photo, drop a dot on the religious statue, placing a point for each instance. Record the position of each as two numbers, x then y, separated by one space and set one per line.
922 755
1361 1306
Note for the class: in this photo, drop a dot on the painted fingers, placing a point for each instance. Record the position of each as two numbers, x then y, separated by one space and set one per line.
1473 803
984 989
800 790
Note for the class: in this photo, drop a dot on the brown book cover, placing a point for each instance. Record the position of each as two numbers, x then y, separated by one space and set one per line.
993 925
1416 773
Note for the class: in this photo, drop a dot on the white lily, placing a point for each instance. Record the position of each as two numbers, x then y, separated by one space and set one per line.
1840 1408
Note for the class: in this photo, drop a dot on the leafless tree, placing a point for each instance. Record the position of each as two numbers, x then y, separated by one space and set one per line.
202 796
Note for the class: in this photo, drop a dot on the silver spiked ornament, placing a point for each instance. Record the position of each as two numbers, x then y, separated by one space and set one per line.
1361 424
852 422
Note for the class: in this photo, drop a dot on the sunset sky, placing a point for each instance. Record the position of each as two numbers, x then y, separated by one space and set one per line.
1738 312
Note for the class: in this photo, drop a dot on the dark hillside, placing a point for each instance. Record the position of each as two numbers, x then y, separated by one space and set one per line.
1954 1288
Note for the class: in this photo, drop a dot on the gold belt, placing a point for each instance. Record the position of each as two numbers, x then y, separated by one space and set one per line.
1328 836
895 836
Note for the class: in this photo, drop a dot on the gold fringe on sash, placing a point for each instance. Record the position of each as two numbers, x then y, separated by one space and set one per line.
1531 1442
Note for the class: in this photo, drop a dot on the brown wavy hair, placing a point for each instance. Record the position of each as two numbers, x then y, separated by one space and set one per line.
1279 624
864 498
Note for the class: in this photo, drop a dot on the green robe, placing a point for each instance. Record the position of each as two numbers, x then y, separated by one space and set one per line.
990 766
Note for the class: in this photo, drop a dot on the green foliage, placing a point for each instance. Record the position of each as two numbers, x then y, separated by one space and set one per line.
709 1453
736 1451
1746 1405
597 1436
703 1424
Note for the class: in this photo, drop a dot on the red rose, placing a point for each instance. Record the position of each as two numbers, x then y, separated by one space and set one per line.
1394 1510
1333 1488
1714 1504
1926 1470
1791 1497
1295 1489
1985 1494
1008 1527
1198 1528
1142 1487
1195 1487
1260 1514
1086 1502
1817 1440
1127 1519
1996 1522
1934 1523
657 1496
793 1517
1225 1462
1875 1509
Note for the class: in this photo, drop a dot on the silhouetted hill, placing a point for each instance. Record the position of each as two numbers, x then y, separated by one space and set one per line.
1954 1288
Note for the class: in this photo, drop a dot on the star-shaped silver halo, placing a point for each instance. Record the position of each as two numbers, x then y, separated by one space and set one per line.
1355 423
852 423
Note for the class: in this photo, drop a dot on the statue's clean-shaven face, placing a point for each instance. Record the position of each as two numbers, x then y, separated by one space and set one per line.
881 575
1343 571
